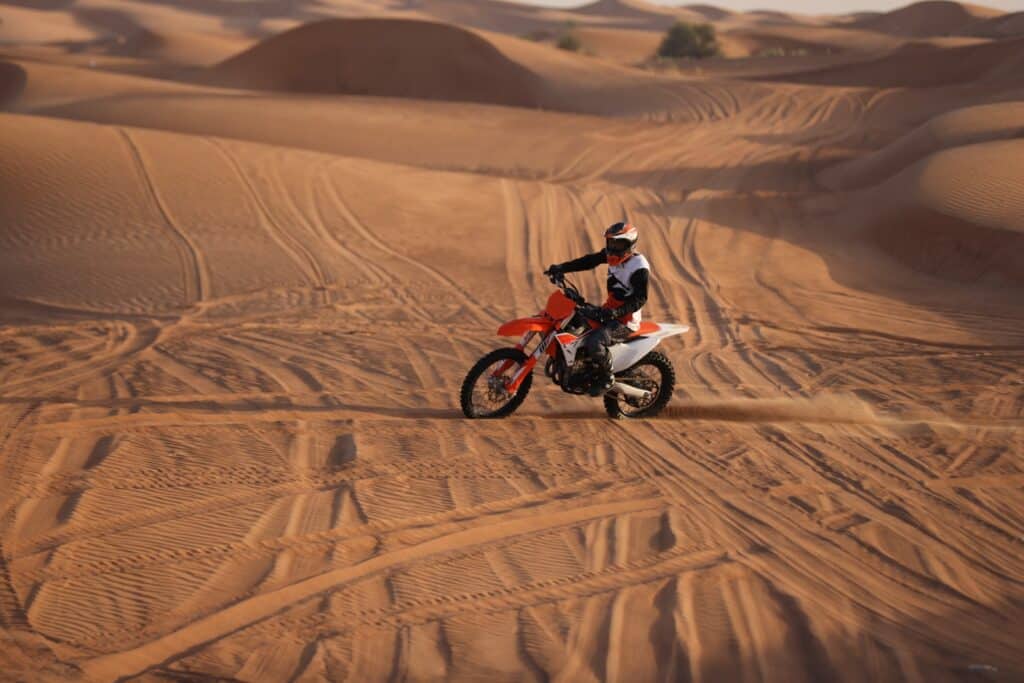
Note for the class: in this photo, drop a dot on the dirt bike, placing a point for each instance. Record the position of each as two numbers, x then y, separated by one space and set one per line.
643 378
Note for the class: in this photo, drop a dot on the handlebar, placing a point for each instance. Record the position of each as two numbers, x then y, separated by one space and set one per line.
573 294
570 291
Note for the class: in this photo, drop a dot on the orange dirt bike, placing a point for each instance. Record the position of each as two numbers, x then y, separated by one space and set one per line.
499 382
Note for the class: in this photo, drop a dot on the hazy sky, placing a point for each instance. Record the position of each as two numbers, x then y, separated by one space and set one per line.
804 6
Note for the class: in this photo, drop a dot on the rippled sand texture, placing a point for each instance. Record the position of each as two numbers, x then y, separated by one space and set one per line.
244 267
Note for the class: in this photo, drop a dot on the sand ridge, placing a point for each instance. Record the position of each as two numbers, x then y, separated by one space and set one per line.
927 66
959 127
389 57
236 316
929 18
964 204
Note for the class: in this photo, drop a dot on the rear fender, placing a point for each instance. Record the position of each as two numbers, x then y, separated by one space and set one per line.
517 328
626 354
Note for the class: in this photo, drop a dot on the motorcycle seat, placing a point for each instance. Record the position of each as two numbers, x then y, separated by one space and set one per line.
646 328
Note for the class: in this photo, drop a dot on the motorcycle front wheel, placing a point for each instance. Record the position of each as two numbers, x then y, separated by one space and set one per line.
484 393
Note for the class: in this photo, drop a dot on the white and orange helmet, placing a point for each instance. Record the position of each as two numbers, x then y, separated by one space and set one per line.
620 241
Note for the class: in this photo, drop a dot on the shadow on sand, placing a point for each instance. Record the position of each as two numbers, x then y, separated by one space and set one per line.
12 82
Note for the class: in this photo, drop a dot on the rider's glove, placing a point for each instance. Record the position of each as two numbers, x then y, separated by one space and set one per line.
554 270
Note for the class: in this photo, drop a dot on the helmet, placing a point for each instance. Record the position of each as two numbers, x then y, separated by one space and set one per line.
620 241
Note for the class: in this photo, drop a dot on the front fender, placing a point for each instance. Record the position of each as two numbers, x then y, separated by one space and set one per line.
517 328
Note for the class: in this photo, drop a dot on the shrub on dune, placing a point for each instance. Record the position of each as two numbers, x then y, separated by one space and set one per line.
685 40
569 41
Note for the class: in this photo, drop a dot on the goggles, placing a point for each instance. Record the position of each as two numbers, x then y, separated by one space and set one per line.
618 247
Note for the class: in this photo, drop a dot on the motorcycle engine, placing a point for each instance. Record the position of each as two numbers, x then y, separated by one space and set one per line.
573 380
579 377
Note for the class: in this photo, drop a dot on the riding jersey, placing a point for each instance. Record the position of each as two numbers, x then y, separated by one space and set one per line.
627 284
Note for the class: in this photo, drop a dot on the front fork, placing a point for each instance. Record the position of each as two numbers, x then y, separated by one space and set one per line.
512 385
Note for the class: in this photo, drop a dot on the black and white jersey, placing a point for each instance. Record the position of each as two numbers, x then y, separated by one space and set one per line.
622 285
627 284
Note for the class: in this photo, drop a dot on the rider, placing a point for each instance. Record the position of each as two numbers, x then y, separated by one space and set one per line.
619 316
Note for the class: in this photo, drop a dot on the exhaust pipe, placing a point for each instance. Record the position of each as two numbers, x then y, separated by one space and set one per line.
628 390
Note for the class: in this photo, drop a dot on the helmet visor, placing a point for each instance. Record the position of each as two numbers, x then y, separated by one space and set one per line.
617 247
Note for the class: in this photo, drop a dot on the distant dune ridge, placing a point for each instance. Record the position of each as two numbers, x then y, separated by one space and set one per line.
627 9
12 81
429 60
957 213
946 198
971 125
928 18
397 58
249 249
709 12
927 66
1003 26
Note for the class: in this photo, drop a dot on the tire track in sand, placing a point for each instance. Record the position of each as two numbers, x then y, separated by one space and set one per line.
124 341
241 614
472 307
381 534
585 584
193 263
517 232
592 484
293 247
796 563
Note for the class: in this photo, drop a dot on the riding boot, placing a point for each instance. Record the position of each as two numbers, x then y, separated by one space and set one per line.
600 358
603 377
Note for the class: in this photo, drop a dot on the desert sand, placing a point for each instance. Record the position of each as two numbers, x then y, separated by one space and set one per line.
248 251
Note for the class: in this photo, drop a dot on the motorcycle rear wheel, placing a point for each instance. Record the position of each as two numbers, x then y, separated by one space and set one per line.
653 372
483 397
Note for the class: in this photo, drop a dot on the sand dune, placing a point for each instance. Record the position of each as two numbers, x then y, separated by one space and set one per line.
162 36
924 66
1004 26
117 32
160 234
433 134
710 12
815 40
128 276
236 320
44 84
976 183
511 18
447 63
452 136
32 24
960 127
765 16
153 34
928 18
957 213
382 57
744 35
638 13
12 82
